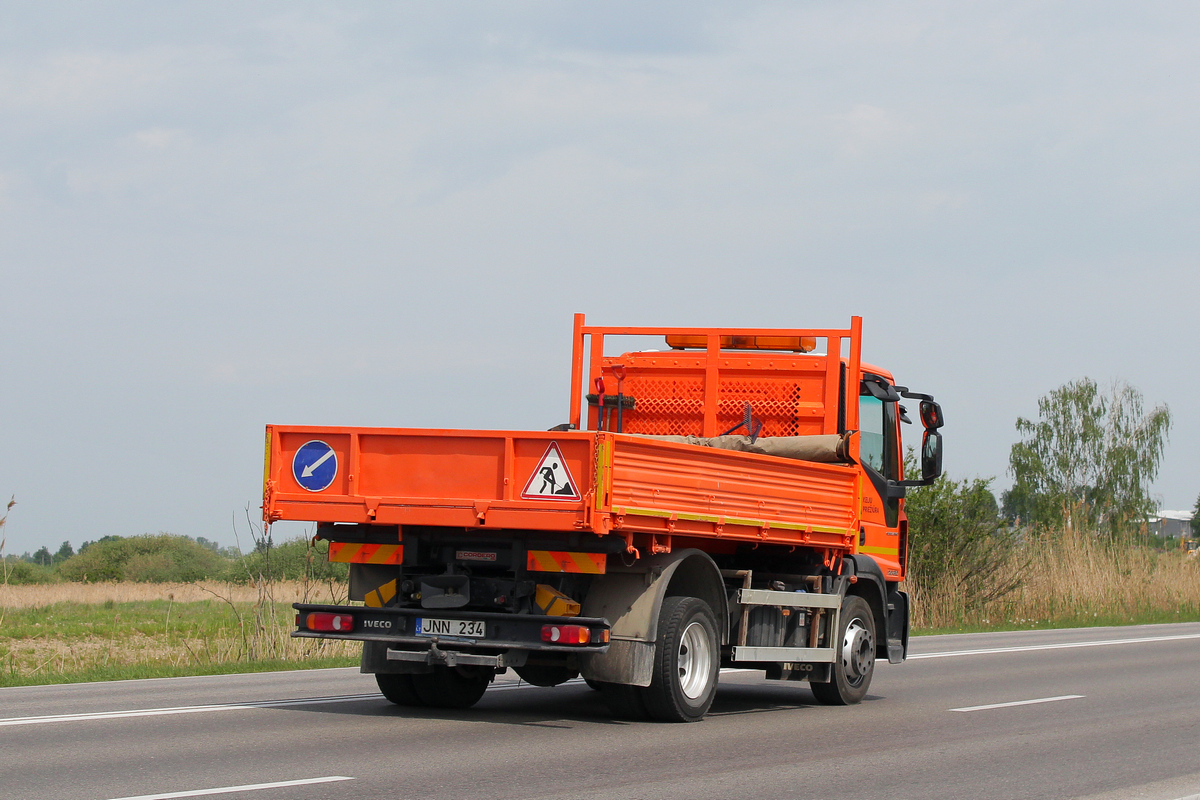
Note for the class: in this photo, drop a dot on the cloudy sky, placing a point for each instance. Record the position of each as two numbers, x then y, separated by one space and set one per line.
215 216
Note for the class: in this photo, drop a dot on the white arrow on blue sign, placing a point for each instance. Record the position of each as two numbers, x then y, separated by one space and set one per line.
315 465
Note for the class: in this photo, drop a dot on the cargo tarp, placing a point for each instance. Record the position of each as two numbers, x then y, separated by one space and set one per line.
828 449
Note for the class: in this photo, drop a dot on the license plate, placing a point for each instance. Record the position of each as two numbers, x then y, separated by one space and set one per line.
466 628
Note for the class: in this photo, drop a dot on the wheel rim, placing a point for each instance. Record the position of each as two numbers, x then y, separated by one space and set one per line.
695 661
858 652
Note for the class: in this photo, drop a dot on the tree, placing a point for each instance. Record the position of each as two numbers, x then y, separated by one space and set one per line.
65 551
1196 518
43 557
1089 460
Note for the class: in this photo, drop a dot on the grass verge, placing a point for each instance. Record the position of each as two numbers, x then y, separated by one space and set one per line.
119 631
160 670
1095 620
1066 580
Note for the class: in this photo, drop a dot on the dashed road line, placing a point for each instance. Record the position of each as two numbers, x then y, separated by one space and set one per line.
1021 703
245 787
162 712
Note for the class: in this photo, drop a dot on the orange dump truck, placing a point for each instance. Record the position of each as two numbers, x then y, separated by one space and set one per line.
735 499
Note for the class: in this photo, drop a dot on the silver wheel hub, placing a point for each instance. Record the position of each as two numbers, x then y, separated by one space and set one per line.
695 661
858 652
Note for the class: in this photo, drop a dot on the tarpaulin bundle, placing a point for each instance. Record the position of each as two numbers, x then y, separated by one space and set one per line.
827 449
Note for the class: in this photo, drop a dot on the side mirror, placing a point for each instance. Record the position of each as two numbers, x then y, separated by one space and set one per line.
931 454
931 415
880 389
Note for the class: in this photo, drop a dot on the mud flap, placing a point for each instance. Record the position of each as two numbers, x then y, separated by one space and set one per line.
627 661
897 626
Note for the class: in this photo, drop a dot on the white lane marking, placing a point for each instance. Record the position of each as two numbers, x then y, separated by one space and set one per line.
1021 703
135 681
1062 646
160 712
246 787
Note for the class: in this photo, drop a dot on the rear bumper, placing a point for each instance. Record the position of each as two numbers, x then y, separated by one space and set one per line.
503 633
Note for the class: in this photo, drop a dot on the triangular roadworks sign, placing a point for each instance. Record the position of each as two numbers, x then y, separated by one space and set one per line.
551 480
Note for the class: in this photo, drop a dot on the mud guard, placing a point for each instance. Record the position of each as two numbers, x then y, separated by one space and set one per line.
889 607
632 597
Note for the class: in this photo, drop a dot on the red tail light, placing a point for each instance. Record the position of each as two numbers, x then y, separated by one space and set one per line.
566 634
325 621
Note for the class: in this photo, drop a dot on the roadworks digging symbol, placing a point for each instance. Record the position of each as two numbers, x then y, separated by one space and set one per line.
551 480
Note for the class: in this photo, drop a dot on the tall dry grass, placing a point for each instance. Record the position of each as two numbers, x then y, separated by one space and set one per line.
42 595
1071 579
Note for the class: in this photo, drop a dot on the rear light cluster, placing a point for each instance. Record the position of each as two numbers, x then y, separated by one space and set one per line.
571 634
325 621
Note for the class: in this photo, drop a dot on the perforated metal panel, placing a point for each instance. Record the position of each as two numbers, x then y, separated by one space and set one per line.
670 397
774 401
664 406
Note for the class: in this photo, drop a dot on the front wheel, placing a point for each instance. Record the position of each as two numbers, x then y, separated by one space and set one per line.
855 662
687 660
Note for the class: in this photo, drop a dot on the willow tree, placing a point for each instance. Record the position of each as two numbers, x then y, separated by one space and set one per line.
1088 460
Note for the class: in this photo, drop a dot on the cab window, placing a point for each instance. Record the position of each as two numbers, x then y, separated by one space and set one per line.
870 425
877 435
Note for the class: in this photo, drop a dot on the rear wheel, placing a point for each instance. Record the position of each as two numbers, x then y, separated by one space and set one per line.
626 702
398 688
855 657
539 675
452 687
687 661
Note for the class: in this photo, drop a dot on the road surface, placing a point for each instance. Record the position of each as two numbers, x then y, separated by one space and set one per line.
1097 713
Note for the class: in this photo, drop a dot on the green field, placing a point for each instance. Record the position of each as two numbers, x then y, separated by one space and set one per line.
113 639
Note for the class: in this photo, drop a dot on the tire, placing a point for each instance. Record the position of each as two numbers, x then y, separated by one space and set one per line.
855 664
687 662
539 675
451 687
398 688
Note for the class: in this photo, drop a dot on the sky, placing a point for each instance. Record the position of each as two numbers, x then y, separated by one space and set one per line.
215 216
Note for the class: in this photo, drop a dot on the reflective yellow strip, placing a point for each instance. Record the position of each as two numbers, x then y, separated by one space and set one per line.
603 485
378 598
267 463
754 523
894 552
351 553
559 561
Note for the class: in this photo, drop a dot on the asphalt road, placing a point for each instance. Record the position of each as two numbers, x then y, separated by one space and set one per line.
1117 716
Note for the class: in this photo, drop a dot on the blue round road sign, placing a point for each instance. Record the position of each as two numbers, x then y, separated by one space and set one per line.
315 465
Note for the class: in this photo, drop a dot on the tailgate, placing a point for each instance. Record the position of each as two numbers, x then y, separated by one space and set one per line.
407 476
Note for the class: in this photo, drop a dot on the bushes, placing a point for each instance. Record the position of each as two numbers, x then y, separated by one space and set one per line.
957 543
293 560
148 558
167 558
18 572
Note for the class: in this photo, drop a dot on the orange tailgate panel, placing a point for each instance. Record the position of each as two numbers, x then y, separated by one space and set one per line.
430 477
